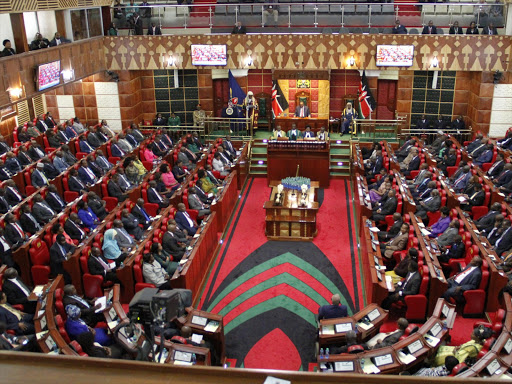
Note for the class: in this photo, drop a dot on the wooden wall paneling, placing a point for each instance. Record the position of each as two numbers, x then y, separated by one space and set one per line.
18 30
61 25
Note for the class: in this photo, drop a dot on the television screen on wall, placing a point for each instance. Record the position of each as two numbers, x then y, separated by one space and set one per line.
48 75
394 55
209 54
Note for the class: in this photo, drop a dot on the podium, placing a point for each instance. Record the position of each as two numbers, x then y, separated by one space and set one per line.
288 221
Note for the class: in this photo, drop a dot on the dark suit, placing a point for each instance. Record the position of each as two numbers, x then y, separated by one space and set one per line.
94 140
504 178
410 285
504 243
35 155
24 158
171 246
42 126
73 230
37 180
95 168
423 124
28 224
137 26
489 31
458 124
155 198
496 169
131 224
11 322
476 199
142 216
485 157
11 196
486 222
431 204
332 311
13 236
390 340
42 212
388 208
393 231
429 30
57 257
95 268
13 165
114 190
50 171
85 146
456 31
472 31
116 151
4 205
15 295
413 165
86 309
241 30
400 30
456 251
154 31
85 176
471 281
69 158
55 201
76 185
183 223
397 243
306 112
97 207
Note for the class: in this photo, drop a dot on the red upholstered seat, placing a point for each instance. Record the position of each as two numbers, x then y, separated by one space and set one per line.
459 368
475 298
355 349
61 328
59 306
93 285
139 278
111 203
417 304
77 348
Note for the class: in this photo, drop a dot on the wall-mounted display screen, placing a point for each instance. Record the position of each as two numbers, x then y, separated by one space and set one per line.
394 55
209 54
48 75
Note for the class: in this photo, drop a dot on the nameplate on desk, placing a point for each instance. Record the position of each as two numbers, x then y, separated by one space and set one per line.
40 335
445 311
421 225
42 322
374 229
431 340
414 347
424 232
199 320
50 343
344 366
344 327
406 358
112 313
379 275
373 314
182 356
383 360
493 367
375 260
435 330
212 326
110 295
508 346
374 246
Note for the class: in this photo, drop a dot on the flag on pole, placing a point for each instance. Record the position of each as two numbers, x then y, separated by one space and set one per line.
279 102
366 101
235 91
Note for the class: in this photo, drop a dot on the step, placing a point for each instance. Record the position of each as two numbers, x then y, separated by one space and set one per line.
342 156
258 172
261 163
259 150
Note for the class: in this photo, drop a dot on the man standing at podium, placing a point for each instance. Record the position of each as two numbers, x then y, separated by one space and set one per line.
302 110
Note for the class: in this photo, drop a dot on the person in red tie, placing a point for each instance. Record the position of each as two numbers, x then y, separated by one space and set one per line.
429 29
302 110
467 279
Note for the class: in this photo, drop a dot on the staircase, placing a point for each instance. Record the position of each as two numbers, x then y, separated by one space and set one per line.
339 157
200 8
407 10
258 156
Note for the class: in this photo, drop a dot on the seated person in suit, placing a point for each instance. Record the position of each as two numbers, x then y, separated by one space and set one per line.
123 238
173 242
393 230
385 207
411 162
23 156
504 179
430 204
60 251
350 340
141 214
54 200
13 231
27 220
13 343
12 163
154 273
179 172
455 29
184 220
429 29
20 322
475 199
333 311
278 132
485 156
87 216
97 205
399 29
294 133
486 222
87 307
504 242
155 197
12 193
456 251
84 145
75 184
116 150
410 285
448 160
68 157
86 174
402 268
497 166
38 177
131 224
75 228
41 210
185 160
322 135
16 290
308 133
100 266
382 340
423 123
102 162
397 243
195 203
111 250
114 190
467 279
302 110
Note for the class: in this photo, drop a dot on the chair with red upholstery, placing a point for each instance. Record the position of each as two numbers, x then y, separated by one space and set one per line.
137 274
59 323
417 304
59 305
459 368
353 349
475 298
111 203
411 328
486 347
497 323
39 253
93 285
77 348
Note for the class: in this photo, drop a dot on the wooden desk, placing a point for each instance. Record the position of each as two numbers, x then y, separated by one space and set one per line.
216 338
242 166
288 221
286 123
311 157
408 202
377 288
363 204
225 202
417 344
174 349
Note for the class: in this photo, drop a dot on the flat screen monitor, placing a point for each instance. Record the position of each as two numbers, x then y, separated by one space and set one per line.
209 54
48 75
394 55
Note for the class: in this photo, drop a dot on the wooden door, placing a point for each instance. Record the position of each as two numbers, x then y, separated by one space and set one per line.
220 95
386 99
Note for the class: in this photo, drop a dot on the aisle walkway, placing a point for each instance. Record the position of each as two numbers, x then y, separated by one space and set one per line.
269 291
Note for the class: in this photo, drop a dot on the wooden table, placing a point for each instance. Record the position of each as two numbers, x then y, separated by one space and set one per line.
288 221
312 157
286 123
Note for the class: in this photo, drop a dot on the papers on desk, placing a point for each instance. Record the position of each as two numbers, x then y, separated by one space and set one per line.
405 358
421 225
196 236
38 290
328 329
370 368
344 327
275 380
112 324
424 232
365 326
197 338
374 229
501 194
462 199
212 326
182 261
431 340
380 267
102 301
40 335
199 320
213 202
389 284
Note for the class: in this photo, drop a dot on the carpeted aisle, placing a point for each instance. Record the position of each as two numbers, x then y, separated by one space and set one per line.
269 291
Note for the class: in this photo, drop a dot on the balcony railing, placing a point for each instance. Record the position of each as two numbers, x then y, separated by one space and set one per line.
320 17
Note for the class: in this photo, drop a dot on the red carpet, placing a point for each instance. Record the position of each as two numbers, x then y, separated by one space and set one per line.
407 10
201 8
269 291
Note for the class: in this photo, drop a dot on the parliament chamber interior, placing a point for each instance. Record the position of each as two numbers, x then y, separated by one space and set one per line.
255 192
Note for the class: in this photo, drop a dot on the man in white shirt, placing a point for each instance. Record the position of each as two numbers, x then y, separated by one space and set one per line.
219 166
154 273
